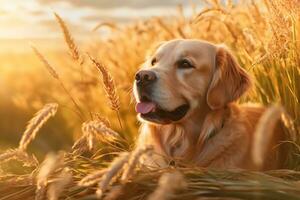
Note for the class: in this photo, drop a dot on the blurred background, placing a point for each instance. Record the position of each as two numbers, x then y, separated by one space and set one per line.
263 35
25 85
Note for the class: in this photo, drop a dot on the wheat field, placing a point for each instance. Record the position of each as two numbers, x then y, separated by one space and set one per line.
83 93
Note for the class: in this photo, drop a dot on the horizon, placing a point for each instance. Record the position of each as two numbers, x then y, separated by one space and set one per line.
34 18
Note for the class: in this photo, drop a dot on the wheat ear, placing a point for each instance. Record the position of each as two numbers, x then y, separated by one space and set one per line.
57 187
69 39
80 146
51 163
95 128
133 161
92 178
113 170
102 119
109 87
36 123
19 155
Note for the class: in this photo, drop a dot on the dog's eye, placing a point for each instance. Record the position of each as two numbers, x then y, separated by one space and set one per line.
184 64
153 61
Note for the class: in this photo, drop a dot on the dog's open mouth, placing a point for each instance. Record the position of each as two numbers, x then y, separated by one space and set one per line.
150 111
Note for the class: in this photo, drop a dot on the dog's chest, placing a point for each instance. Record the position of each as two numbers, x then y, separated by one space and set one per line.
175 142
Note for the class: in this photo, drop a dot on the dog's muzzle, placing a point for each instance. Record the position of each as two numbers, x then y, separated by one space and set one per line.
150 110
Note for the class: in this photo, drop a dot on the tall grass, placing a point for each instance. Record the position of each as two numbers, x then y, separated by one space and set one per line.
265 38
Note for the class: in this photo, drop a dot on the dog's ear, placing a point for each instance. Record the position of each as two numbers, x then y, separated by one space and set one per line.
229 80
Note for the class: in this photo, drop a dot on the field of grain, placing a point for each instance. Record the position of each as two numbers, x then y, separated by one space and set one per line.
79 143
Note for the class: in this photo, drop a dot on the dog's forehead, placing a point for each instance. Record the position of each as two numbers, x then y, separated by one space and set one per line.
179 48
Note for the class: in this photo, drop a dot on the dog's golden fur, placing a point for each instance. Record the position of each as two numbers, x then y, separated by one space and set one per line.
216 132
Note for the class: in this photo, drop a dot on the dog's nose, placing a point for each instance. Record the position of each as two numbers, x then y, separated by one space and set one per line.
145 77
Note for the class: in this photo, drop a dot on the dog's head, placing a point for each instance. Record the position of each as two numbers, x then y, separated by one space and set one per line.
182 74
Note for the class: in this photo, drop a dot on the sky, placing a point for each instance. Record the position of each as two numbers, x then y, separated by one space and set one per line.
20 19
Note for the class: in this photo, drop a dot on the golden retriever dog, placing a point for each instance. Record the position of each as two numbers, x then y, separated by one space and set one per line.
185 94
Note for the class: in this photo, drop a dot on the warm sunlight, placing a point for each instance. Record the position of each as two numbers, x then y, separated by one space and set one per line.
149 99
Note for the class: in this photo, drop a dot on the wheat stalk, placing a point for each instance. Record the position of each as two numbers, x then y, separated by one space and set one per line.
110 25
109 87
115 167
40 118
50 68
55 75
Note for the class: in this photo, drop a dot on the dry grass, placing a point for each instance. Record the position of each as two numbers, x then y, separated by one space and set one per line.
265 39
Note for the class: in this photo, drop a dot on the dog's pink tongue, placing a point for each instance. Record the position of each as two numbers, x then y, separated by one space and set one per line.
144 107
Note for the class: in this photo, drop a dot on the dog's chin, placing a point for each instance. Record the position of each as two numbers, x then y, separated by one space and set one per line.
162 116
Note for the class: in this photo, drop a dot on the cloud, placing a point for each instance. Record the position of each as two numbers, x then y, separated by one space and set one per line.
105 18
3 12
52 25
129 13
36 13
109 4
